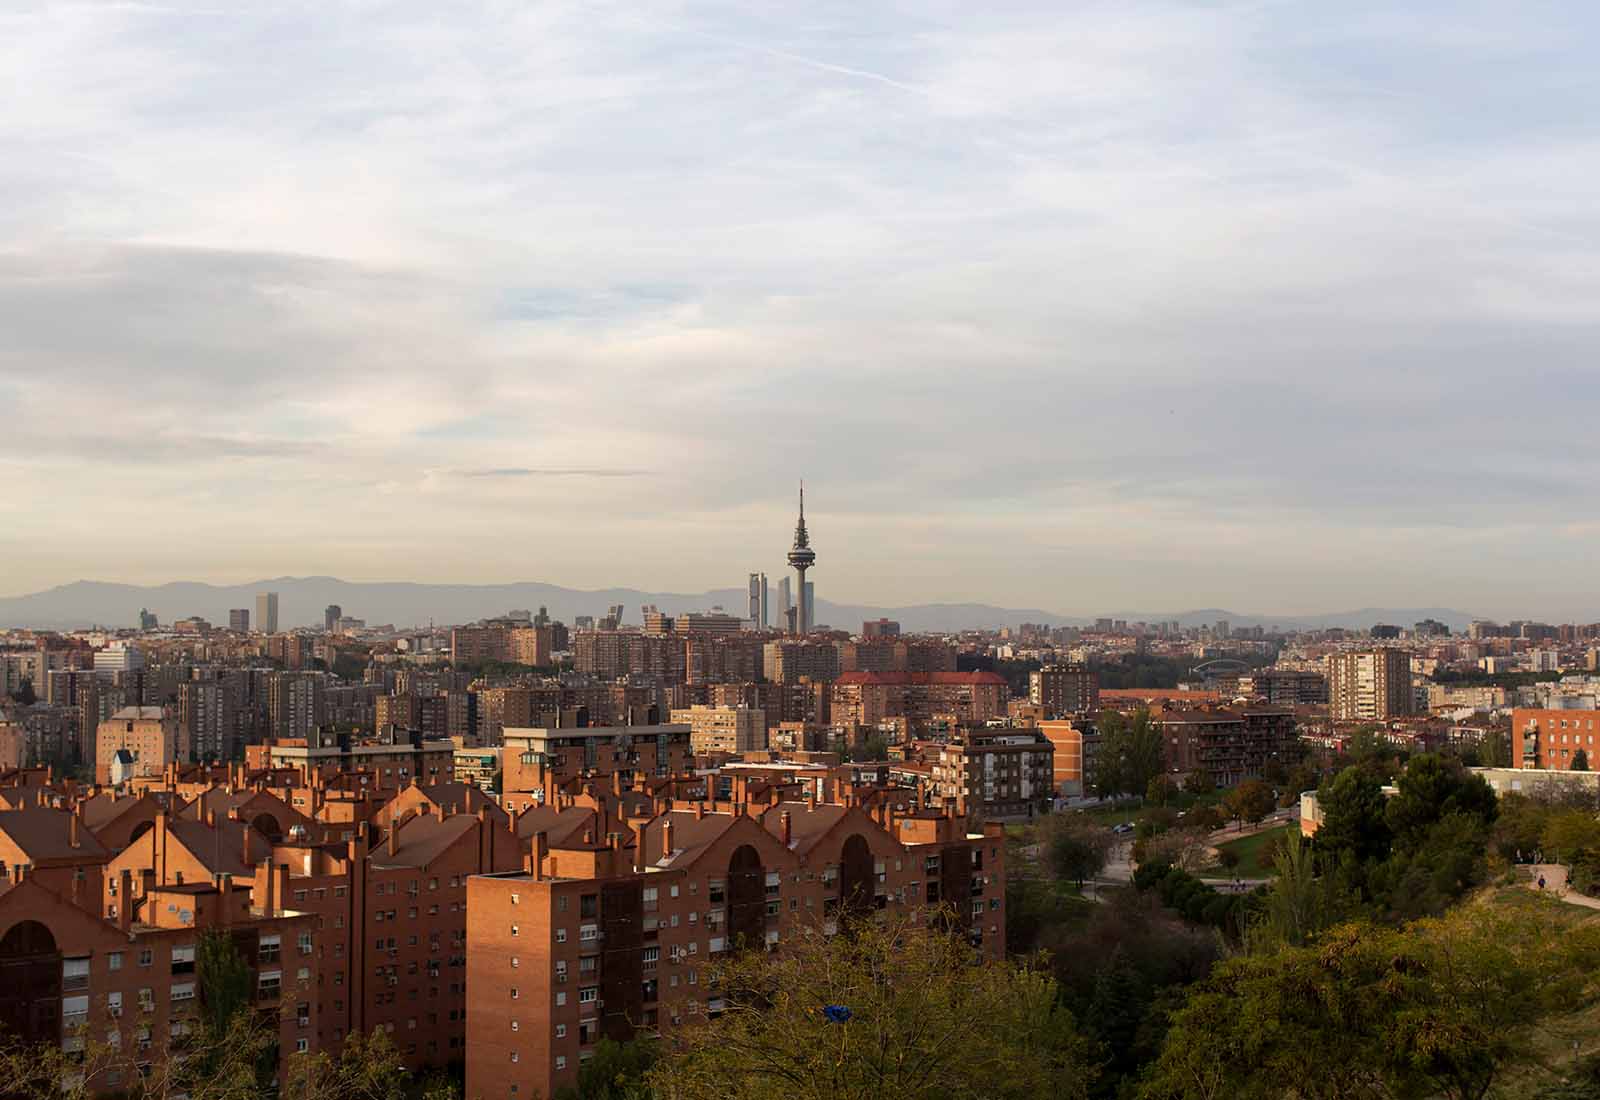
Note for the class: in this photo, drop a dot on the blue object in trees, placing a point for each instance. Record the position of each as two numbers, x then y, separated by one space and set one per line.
836 1014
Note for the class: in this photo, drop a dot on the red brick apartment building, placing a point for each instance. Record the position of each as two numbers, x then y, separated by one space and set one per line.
1229 745
609 935
1552 738
866 699
70 976
533 759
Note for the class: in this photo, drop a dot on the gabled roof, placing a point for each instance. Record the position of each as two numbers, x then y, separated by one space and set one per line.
693 835
44 834
423 839
28 900
219 848
561 827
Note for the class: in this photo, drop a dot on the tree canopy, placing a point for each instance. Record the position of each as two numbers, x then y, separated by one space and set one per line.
1131 753
922 1023
1438 1008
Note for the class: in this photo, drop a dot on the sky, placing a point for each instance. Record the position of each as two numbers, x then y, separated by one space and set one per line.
1285 307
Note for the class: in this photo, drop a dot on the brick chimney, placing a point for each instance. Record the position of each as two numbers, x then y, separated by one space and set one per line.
787 823
124 899
638 847
541 845
72 832
666 838
160 841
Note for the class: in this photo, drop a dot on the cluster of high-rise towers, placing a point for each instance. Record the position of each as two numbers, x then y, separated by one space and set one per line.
798 616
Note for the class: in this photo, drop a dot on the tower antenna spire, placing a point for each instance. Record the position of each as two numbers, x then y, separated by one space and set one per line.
801 557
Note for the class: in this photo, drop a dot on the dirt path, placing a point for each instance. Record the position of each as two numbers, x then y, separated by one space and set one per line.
1555 884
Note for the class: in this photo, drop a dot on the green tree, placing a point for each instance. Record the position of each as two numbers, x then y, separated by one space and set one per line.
1131 753
617 1071
1114 1014
1199 782
1439 1008
1160 790
1494 749
1580 761
875 747
923 1023
368 1068
1249 801
1353 819
226 984
1076 850
1299 903
1431 788
1518 826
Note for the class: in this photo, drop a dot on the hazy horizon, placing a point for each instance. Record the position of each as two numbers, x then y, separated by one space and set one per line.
1288 309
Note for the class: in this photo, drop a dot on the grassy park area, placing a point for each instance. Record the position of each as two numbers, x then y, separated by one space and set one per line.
1255 853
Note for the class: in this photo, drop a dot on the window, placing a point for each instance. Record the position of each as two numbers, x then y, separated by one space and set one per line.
302 1046
589 932
182 991
561 1031
267 950
561 1061
561 1000
588 994
183 958
513 930
146 956
305 943
561 935
114 961
74 974
113 1004
514 993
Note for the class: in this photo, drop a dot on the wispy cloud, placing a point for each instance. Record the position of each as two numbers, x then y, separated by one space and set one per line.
523 471
1072 305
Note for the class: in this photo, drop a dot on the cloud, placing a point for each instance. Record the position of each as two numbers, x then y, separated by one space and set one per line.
1073 305
523 471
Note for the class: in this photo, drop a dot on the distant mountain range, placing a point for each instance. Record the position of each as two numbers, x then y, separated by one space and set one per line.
301 601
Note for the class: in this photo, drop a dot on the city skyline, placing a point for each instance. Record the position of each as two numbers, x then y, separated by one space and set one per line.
1165 306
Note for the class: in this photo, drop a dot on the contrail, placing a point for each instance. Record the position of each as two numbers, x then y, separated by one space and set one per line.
810 62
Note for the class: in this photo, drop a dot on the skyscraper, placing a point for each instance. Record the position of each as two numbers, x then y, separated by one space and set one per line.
1370 686
785 599
811 604
267 612
802 557
239 620
330 617
757 583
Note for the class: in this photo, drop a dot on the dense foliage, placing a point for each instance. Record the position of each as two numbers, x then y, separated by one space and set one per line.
923 1023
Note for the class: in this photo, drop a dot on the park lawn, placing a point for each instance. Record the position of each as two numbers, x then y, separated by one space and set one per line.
1255 853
